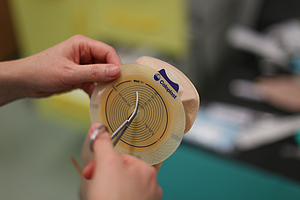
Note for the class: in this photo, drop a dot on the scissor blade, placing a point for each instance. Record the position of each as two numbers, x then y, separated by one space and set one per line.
133 114
122 128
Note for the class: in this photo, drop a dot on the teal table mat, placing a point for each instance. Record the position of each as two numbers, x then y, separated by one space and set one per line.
191 173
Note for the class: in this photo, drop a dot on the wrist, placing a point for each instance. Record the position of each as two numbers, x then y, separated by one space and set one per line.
11 86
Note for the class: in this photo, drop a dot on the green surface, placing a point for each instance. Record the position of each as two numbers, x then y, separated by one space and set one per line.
297 137
35 155
193 174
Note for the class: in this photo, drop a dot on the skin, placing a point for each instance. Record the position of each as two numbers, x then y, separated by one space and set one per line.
79 62
127 177
74 63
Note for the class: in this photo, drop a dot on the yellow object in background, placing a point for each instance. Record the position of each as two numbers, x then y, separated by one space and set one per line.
70 109
157 25
40 24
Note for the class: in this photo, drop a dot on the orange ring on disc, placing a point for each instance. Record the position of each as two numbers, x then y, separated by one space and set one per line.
158 127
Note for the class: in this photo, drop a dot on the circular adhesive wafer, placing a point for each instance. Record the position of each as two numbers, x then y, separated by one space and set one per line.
157 130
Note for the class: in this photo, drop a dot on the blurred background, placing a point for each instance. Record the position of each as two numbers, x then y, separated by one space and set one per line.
242 56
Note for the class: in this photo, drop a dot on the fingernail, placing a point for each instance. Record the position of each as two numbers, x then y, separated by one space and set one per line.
112 71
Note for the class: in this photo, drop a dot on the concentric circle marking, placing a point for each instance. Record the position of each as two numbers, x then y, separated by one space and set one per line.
160 117
151 125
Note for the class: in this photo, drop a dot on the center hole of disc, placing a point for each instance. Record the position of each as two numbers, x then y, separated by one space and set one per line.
137 113
132 109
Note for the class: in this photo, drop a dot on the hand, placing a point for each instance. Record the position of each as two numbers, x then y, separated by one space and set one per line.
119 176
75 63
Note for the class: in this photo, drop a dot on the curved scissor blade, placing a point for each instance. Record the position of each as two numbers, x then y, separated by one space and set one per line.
122 128
133 114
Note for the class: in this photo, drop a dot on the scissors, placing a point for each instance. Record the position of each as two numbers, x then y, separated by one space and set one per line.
120 130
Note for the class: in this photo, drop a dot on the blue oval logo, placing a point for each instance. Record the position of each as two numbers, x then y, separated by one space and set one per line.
157 77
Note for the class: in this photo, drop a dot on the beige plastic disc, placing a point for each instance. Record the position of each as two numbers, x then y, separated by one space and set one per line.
158 127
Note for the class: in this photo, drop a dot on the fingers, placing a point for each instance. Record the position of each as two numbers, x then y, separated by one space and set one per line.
93 51
159 192
144 171
88 171
88 88
93 127
97 72
130 177
157 166
78 74
102 144
129 159
91 61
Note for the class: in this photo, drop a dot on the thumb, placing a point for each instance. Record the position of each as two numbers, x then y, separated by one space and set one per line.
95 73
102 146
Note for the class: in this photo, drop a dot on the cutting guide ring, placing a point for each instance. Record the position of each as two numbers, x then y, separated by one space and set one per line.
158 127
152 115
